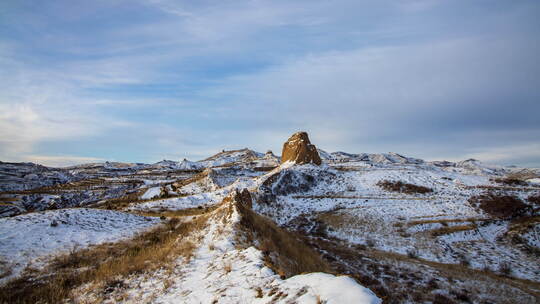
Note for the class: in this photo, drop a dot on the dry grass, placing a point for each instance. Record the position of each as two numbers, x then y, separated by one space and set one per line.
535 199
524 223
502 188
521 226
451 229
398 278
197 177
102 265
259 292
340 220
340 196
177 213
227 267
121 202
445 221
401 187
264 169
285 252
348 169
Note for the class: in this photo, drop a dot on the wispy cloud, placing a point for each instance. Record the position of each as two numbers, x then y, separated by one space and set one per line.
528 154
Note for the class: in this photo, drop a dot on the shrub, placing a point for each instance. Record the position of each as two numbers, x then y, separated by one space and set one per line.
441 299
510 181
462 295
535 199
500 206
412 253
464 260
259 292
371 243
399 186
505 269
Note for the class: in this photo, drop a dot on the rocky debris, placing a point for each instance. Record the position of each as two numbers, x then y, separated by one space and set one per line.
299 150
289 181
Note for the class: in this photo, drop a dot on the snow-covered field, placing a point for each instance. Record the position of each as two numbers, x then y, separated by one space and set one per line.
30 239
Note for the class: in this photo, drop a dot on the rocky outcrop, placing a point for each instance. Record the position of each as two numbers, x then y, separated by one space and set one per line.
299 150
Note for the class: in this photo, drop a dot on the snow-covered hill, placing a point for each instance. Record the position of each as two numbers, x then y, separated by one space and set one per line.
226 267
401 229
28 240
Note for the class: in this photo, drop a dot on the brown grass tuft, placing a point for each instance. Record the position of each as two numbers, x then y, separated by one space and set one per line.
452 229
227 267
259 292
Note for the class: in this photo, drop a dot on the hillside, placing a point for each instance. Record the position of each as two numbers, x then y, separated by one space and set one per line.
248 227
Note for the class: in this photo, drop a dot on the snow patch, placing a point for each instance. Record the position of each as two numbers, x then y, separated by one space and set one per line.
151 193
332 289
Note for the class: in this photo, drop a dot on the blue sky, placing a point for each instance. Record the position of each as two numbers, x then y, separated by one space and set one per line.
145 80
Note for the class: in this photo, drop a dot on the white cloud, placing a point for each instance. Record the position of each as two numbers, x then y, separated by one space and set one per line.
349 72
59 161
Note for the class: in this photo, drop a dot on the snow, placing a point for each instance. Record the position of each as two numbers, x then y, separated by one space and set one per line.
151 193
179 203
342 193
228 157
150 182
358 211
30 239
189 165
534 181
332 289
222 269
532 237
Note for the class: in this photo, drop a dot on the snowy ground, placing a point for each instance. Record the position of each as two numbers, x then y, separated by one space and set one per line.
340 200
178 203
224 272
28 240
353 208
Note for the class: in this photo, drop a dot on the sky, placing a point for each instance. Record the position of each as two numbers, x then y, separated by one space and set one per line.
146 80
